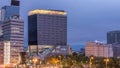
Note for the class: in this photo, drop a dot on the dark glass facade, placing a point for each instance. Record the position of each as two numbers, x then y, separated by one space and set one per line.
8 11
15 2
113 37
116 50
32 30
47 29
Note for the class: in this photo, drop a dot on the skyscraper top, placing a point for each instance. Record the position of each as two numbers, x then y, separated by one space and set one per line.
113 37
50 12
15 2
115 31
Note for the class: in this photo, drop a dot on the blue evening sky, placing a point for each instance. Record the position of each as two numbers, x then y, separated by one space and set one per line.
88 20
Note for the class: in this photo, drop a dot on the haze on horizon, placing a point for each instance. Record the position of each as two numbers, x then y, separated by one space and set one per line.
88 20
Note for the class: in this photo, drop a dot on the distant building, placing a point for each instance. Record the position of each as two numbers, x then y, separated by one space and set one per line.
13 32
69 50
82 51
113 37
116 50
48 29
98 49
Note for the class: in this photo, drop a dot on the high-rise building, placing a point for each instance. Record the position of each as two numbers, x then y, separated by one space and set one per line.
13 32
116 50
8 11
47 27
12 36
113 37
98 49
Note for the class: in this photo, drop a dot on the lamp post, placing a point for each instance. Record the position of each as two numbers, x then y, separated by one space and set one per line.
91 58
106 62
60 60
35 60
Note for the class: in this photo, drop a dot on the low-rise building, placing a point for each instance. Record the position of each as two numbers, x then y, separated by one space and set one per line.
69 49
98 49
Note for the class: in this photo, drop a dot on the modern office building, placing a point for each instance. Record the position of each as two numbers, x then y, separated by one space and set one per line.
8 11
13 32
98 49
113 37
48 28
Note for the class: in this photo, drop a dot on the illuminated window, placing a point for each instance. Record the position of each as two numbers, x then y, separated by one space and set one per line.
15 29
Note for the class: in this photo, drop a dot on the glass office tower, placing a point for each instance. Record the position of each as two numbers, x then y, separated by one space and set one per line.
113 37
47 28
8 11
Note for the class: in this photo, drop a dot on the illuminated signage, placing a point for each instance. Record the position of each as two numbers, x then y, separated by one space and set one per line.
50 12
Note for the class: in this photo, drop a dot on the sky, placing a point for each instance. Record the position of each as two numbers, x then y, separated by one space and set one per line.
88 20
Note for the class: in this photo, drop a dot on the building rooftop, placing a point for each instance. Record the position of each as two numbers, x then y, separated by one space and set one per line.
115 31
98 43
15 2
49 12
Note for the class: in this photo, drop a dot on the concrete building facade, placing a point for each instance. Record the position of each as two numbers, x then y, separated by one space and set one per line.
98 49
13 32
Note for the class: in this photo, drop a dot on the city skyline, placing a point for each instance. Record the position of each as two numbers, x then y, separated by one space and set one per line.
103 15
59 34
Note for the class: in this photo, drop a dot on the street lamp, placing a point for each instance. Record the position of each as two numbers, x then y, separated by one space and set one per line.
35 60
91 58
106 62
60 60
